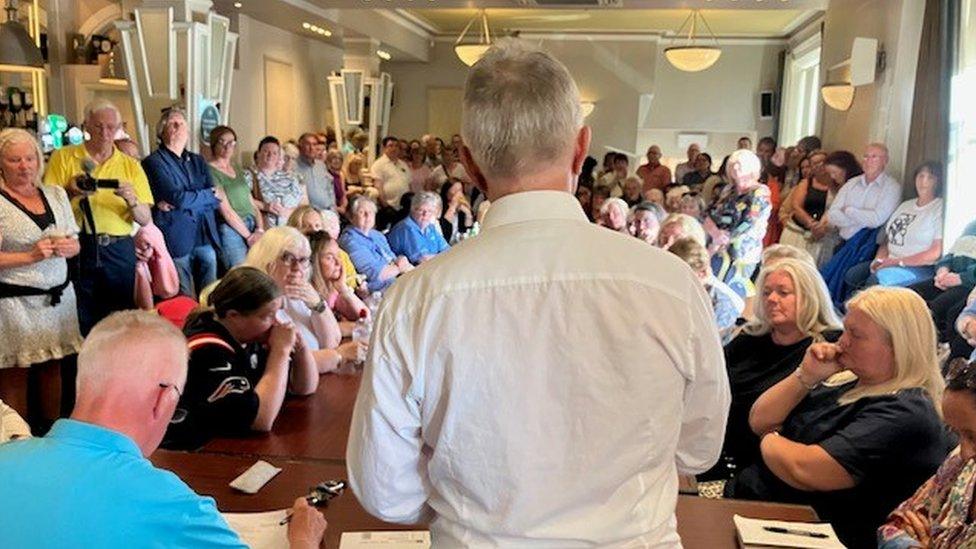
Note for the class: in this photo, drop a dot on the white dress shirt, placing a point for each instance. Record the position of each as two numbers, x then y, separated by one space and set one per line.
540 385
861 204
392 177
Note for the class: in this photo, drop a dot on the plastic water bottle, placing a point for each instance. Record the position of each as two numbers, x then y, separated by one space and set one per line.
363 327
373 303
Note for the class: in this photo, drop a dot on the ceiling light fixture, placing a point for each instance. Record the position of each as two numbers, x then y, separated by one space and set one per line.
587 108
238 5
838 95
470 53
18 52
693 57
384 55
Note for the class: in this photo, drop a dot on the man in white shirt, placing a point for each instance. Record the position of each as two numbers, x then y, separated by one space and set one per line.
508 395
867 200
687 167
390 174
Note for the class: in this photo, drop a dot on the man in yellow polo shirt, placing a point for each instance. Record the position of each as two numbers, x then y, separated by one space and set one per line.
106 274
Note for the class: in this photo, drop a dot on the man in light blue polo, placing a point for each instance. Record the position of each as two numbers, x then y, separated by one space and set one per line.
88 483
418 237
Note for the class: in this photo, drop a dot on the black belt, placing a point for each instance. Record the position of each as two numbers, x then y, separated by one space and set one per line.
108 239
14 290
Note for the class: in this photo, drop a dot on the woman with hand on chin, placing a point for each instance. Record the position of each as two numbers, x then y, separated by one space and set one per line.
855 429
285 255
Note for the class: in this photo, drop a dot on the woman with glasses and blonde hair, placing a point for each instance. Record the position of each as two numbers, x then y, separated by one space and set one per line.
793 312
856 428
285 255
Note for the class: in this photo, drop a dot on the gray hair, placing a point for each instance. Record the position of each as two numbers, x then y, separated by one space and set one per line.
101 105
615 203
521 110
425 197
164 119
747 160
14 136
272 244
115 353
361 201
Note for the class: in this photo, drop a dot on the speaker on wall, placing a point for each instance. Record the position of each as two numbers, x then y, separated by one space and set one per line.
767 107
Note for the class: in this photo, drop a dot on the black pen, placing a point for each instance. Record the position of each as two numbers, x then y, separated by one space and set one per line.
792 532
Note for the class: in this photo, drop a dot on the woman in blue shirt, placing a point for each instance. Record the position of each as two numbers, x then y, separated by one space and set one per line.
418 237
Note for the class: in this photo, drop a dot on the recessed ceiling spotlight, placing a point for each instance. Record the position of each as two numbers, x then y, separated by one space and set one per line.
306 26
238 5
327 33
383 54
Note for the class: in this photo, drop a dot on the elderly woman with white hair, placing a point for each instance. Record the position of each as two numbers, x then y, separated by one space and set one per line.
677 226
285 255
793 312
368 248
737 222
613 215
418 236
856 428
38 314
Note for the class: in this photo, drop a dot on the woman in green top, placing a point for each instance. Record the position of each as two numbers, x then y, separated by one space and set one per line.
241 226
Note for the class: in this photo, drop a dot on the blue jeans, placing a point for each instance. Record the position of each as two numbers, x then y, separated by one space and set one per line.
860 276
233 246
196 269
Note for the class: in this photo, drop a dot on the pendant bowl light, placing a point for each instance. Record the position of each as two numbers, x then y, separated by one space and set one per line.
470 52
691 56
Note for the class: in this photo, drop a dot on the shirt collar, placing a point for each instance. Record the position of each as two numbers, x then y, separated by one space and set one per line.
90 434
81 153
534 206
184 156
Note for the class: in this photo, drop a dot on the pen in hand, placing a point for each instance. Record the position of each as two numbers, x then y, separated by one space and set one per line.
791 531
320 495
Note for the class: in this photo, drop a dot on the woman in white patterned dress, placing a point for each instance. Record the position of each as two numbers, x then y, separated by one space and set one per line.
38 315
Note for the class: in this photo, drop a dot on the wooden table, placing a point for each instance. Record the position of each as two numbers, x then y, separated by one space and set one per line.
315 427
702 523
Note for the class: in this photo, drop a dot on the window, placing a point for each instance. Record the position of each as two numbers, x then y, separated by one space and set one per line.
801 91
960 191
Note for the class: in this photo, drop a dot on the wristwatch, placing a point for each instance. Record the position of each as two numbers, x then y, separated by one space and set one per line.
320 308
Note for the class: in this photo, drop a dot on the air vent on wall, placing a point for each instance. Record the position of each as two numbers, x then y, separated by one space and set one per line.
573 3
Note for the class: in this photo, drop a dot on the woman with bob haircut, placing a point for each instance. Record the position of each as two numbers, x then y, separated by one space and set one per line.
856 428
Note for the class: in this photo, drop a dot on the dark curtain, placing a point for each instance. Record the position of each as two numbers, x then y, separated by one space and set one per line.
929 135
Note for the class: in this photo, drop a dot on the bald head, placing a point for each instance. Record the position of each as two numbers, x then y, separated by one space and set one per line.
131 370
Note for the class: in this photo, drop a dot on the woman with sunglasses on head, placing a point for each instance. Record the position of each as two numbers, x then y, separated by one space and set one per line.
243 361
285 255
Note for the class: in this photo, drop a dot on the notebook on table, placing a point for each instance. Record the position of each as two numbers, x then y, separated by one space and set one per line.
756 533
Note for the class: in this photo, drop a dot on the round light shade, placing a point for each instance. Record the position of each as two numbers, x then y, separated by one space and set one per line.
17 50
587 108
838 96
692 58
469 54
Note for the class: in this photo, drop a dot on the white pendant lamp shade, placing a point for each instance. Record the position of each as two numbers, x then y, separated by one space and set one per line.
18 52
838 96
692 58
687 54
469 52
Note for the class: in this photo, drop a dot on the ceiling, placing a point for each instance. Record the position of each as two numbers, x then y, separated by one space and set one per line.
723 22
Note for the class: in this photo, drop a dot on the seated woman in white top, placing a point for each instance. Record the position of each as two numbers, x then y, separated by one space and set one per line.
285 254
913 238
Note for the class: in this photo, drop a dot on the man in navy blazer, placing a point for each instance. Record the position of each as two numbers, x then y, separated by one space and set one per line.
185 203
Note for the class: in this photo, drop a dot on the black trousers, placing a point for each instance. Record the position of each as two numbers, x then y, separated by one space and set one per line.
105 280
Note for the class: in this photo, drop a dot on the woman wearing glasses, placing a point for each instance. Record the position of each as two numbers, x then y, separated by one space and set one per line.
243 361
285 255
241 226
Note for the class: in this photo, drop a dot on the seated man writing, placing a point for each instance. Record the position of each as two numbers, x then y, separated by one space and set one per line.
88 482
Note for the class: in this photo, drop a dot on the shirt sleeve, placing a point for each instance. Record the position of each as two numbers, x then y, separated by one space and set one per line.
140 184
385 459
835 213
226 401
706 396
193 520
364 259
879 437
57 173
884 207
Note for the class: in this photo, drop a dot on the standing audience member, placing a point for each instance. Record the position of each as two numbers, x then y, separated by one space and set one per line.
242 225
392 178
913 238
685 168
107 263
186 203
368 248
744 143
444 370
260 360
939 514
701 180
654 174
614 179
311 169
766 148
854 445
793 311
131 373
418 237
38 309
420 173
726 304
632 191
333 163
737 224
279 191
806 225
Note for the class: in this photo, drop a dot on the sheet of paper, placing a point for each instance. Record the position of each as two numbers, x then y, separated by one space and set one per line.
260 530
255 477
415 539
752 533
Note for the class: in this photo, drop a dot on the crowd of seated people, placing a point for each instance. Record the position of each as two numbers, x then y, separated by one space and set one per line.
280 256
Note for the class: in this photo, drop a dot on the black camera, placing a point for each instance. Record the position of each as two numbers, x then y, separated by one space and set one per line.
89 184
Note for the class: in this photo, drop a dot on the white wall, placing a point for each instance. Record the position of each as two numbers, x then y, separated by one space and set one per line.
312 62
881 111
614 75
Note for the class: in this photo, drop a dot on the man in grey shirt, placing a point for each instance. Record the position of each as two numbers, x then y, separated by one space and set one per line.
312 171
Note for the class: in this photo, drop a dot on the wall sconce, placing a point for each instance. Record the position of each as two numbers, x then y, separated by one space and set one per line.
864 64
838 96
